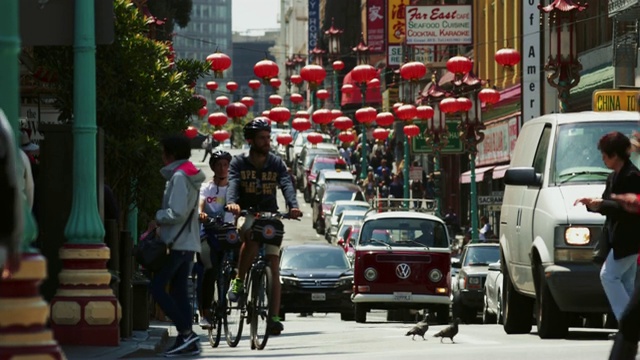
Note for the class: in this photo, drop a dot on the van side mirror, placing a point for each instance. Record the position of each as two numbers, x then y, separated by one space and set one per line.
456 265
494 266
523 176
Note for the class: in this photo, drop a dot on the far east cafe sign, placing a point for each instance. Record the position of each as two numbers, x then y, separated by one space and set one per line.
439 25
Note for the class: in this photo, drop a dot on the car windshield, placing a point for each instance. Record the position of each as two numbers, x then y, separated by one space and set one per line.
317 152
342 207
577 158
353 217
404 232
305 259
327 166
301 139
332 196
481 255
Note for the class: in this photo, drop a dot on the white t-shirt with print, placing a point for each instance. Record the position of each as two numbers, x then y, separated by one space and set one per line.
215 199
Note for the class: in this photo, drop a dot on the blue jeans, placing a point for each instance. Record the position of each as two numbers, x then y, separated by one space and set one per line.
175 305
618 280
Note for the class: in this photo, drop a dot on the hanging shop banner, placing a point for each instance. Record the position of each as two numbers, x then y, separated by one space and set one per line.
396 21
314 23
375 25
439 25
454 144
499 142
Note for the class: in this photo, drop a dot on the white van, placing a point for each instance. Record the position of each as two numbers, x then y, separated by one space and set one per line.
546 242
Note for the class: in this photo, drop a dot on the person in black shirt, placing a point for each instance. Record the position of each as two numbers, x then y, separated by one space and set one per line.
253 182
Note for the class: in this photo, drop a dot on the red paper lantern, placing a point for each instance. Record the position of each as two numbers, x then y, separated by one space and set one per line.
247 101
237 110
335 113
296 79
381 134
266 70
219 63
303 114
337 65
448 105
321 116
385 119
221 135
265 113
191 132
507 57
202 99
301 124
459 65
232 86
489 96
296 98
203 111
275 83
313 74
284 139
217 119
322 94
396 106
407 112
464 104
212 85
346 136
366 115
411 130
373 83
254 84
222 101
275 100
424 112
347 88
342 123
314 138
279 114
413 71
363 73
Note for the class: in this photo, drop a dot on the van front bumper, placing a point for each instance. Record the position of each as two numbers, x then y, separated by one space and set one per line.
577 287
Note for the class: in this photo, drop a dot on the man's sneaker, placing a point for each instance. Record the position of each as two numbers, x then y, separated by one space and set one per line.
274 326
205 324
191 350
182 342
236 289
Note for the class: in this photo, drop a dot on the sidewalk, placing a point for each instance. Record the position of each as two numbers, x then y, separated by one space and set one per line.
142 344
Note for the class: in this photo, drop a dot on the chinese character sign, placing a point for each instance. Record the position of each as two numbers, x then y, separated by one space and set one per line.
396 21
439 25
375 25
314 23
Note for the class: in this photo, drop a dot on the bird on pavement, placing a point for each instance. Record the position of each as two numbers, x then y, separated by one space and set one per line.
449 332
419 329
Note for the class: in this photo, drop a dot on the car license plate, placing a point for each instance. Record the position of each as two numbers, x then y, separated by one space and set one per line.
318 296
402 296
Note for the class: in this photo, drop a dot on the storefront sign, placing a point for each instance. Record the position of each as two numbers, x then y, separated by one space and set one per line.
31 117
375 25
396 21
395 57
499 142
489 200
454 145
611 100
531 60
439 25
314 23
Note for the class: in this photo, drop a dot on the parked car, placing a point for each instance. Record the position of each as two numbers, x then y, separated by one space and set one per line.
331 176
355 210
299 141
308 153
315 278
402 263
327 196
468 286
320 163
492 311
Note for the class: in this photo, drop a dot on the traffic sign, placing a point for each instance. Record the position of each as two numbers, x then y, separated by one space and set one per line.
454 145
612 99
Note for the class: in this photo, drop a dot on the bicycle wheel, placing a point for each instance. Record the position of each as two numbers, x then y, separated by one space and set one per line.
216 314
260 300
235 313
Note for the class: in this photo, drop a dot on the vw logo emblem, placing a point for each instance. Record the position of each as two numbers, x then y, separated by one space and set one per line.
403 271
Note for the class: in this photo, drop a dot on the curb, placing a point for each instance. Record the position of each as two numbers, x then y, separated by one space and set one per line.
150 342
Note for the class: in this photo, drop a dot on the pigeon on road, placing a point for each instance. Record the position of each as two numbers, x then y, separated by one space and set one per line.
449 332
419 329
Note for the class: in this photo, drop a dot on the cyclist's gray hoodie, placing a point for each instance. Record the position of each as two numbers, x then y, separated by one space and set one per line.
180 198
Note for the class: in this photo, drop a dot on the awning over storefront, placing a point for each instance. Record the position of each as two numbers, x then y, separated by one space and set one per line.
465 178
373 96
499 171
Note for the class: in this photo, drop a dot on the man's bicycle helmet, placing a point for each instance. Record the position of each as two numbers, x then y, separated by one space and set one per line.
219 155
257 124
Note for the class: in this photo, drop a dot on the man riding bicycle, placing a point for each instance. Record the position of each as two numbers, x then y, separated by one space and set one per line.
253 182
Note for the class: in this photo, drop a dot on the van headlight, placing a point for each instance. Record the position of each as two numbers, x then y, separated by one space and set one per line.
577 236
370 274
435 275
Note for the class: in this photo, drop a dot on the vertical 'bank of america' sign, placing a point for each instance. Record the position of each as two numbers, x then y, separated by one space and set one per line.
314 23
531 61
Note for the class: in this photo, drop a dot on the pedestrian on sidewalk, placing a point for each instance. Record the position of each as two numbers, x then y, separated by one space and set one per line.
177 225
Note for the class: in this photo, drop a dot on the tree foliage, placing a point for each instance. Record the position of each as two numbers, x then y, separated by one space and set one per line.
172 12
142 96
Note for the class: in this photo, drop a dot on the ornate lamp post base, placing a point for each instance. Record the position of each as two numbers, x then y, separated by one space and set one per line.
84 311
24 314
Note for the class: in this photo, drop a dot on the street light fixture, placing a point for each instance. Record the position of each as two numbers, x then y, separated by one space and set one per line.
362 51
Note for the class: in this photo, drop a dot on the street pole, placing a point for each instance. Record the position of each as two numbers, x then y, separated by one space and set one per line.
89 302
363 143
405 171
436 169
23 313
472 193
